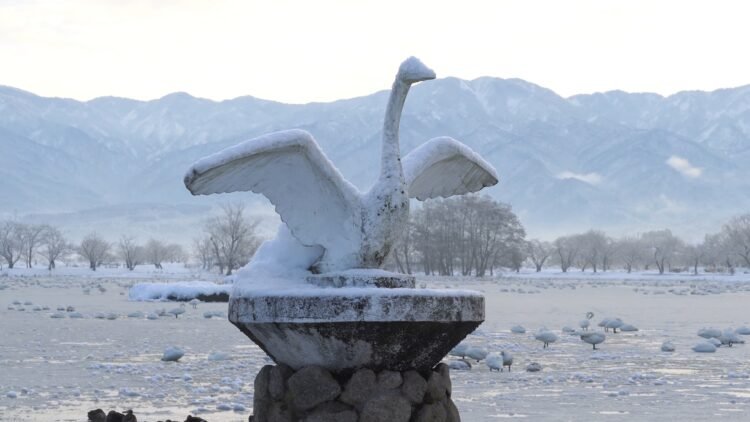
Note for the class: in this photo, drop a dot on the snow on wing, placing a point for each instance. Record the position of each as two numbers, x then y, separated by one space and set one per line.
318 205
445 167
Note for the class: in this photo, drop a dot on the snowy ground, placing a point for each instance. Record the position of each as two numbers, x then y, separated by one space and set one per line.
57 369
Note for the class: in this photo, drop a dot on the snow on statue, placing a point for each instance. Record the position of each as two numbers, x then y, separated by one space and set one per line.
335 227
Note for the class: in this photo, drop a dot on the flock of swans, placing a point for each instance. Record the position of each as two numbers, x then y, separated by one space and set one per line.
496 361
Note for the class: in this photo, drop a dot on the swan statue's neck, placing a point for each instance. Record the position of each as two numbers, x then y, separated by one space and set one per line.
411 71
390 162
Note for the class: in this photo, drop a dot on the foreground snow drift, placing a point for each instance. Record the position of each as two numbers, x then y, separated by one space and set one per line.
181 291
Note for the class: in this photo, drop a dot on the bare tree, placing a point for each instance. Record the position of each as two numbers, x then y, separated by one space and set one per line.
130 252
156 252
693 255
232 237
631 252
539 251
663 247
31 237
94 249
54 246
737 232
566 251
202 249
11 242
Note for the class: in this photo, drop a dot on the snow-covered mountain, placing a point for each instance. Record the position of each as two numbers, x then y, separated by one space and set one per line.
616 161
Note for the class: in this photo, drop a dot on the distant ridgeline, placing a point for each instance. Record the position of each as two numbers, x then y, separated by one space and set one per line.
613 161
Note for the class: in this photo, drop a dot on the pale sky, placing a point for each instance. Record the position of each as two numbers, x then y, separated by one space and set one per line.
302 51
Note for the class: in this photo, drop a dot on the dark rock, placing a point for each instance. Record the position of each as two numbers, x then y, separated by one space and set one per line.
437 388
360 388
445 372
114 416
279 412
262 398
311 386
413 387
332 411
434 412
97 415
129 417
192 418
277 381
386 408
451 411
389 379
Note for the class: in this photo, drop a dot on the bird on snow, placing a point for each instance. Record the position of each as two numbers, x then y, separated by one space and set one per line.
667 346
593 338
494 361
178 311
498 361
614 324
585 323
546 337
517 329
459 350
194 303
476 353
708 333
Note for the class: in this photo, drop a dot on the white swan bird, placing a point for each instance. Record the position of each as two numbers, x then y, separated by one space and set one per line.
593 338
321 209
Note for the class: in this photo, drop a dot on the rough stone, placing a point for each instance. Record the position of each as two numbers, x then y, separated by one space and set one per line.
332 411
97 415
129 417
414 386
389 379
399 330
192 418
114 416
261 397
451 411
360 388
434 412
445 372
277 381
386 408
279 412
379 279
437 390
311 386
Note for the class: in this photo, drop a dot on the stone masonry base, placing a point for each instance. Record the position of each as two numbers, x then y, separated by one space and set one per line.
313 394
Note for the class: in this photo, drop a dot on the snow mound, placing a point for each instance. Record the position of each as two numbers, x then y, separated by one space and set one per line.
182 290
704 347
172 354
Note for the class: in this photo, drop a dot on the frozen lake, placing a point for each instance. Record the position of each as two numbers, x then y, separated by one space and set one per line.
58 369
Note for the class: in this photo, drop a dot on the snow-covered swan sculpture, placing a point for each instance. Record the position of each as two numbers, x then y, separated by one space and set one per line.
340 227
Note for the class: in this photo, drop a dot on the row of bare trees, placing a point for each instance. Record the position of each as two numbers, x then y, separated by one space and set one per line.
229 241
658 249
28 241
465 235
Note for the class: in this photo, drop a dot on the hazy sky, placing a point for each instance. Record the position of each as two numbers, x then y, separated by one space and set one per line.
301 51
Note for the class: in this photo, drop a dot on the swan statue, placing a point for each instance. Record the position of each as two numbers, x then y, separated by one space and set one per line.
321 209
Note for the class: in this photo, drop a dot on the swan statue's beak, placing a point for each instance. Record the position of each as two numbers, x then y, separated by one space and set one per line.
412 70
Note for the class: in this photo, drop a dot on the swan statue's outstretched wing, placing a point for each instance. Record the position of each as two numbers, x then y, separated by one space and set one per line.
445 167
310 195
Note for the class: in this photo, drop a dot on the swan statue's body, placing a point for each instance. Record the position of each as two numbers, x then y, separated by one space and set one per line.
320 208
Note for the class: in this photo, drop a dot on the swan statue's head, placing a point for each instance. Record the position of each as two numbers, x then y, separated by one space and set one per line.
412 70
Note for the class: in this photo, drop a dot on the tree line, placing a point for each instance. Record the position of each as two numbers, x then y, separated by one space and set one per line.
467 235
228 242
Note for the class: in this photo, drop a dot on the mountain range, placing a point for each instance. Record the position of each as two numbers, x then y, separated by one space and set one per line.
617 161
